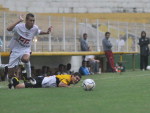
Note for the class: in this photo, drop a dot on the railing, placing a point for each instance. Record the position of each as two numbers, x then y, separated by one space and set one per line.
68 31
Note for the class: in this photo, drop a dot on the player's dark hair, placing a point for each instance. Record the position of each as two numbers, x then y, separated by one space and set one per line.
29 15
77 74
107 33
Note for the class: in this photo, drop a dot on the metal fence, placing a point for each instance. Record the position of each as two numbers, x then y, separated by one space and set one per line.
67 32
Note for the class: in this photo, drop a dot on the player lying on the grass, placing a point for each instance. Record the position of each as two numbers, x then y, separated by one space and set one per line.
48 82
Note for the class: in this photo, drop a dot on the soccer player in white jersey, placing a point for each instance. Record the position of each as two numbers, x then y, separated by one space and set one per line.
21 41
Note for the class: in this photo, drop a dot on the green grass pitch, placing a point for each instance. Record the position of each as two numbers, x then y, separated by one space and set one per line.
114 93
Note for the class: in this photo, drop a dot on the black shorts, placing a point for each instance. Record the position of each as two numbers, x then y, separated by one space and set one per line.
39 80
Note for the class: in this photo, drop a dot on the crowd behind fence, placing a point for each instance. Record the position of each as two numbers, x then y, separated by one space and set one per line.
67 32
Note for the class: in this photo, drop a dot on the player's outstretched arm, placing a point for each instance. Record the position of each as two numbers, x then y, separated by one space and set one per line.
61 84
47 32
10 28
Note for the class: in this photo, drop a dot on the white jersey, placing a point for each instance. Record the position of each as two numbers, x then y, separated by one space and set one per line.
49 81
88 57
22 39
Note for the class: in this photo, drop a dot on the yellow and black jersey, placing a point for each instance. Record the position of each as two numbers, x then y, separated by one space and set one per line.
66 79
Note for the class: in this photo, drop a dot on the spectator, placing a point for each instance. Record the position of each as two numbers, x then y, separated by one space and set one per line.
83 70
108 52
144 50
44 71
93 63
61 69
49 72
121 44
1 44
84 43
38 72
68 68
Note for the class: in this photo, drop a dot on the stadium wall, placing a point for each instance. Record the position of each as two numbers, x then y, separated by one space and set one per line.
51 61
54 61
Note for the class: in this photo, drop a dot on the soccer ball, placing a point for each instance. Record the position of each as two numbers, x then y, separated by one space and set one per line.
88 84
148 67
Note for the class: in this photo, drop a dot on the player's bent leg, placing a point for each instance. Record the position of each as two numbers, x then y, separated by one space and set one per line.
15 83
28 69
22 85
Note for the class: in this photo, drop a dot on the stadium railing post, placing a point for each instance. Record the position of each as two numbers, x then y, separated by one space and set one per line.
4 31
64 34
49 36
75 35
133 62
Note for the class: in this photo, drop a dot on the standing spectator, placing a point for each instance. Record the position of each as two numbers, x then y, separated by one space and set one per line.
108 52
93 63
144 50
121 44
84 43
1 44
83 70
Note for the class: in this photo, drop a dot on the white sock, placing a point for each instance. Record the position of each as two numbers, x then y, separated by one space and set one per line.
2 66
28 68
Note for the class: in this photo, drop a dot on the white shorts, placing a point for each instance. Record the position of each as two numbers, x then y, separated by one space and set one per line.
15 58
49 82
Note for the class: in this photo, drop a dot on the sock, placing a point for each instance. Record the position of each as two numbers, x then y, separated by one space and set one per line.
2 66
28 69
24 75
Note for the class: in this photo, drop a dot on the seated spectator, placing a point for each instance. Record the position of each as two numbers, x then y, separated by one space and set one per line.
61 70
93 63
49 72
38 72
83 70
44 71
68 69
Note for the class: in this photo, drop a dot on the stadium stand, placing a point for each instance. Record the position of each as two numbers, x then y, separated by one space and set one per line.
77 6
